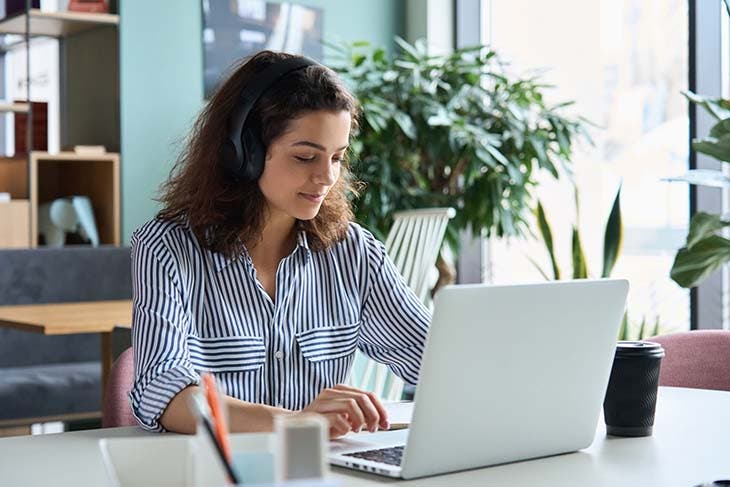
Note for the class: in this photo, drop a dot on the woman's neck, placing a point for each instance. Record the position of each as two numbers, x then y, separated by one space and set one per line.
278 238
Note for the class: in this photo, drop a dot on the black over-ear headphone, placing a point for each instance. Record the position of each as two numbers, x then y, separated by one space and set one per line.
243 154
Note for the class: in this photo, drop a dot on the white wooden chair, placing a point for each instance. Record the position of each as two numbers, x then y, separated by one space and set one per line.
413 243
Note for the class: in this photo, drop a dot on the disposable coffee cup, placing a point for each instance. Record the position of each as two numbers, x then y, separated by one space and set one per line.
630 400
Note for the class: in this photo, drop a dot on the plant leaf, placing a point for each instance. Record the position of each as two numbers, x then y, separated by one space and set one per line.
613 237
411 50
623 332
580 270
691 266
702 225
405 123
703 177
720 128
537 266
717 147
547 237
717 107
655 331
642 328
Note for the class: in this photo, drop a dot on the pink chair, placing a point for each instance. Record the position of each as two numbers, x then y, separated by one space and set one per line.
698 359
116 410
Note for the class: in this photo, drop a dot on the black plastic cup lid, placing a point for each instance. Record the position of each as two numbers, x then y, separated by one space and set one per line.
639 349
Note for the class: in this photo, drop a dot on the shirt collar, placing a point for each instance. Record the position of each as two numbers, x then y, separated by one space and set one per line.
221 261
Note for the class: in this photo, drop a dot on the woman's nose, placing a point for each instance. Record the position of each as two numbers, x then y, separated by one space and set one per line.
326 174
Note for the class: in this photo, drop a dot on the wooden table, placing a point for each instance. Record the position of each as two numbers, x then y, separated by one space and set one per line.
70 318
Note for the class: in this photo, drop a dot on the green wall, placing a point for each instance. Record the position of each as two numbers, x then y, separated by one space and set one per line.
161 66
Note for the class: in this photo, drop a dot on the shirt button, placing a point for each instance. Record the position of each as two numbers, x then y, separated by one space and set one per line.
279 355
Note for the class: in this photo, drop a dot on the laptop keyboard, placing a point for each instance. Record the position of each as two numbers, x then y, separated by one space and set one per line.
391 456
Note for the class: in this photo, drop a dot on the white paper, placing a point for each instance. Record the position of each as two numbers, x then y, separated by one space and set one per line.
399 412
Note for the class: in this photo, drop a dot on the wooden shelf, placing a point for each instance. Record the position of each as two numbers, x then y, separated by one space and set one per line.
14 176
13 107
68 174
56 24
15 224
74 156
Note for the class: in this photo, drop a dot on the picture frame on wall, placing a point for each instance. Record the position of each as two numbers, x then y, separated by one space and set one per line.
236 29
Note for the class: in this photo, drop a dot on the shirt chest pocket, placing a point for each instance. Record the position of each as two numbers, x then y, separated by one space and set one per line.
227 354
328 342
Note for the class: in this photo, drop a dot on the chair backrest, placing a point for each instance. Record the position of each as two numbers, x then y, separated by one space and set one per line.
697 359
116 410
413 244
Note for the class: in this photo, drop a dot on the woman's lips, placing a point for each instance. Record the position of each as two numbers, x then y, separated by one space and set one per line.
314 198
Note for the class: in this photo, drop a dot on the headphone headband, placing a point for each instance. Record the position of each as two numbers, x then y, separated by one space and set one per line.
268 76
243 153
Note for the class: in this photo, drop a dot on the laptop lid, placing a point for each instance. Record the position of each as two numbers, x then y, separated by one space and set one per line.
513 372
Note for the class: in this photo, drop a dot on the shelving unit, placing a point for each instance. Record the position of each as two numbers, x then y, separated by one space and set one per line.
55 24
89 80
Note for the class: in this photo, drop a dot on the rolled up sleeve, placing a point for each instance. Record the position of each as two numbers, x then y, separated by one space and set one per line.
162 364
394 321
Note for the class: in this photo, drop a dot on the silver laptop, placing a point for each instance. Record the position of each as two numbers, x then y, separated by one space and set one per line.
509 373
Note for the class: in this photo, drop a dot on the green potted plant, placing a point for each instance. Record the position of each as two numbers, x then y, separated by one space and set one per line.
612 240
706 250
452 130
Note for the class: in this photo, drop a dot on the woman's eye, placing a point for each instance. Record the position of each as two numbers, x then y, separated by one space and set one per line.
304 159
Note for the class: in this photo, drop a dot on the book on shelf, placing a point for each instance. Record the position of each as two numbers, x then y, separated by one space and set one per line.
90 149
40 127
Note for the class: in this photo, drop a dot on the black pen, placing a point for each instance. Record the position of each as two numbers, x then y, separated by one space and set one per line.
202 416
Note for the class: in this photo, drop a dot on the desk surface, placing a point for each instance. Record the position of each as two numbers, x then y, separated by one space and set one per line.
68 318
691 444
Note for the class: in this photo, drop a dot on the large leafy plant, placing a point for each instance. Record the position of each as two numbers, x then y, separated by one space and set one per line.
706 250
451 130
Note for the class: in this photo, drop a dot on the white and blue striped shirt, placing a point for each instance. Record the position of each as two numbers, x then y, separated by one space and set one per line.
196 310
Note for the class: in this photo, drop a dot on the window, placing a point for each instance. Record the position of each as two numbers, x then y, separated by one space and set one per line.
625 63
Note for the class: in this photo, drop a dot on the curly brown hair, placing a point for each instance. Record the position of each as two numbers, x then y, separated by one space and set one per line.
224 213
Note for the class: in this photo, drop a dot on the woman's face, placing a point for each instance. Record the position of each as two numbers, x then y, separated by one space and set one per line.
303 164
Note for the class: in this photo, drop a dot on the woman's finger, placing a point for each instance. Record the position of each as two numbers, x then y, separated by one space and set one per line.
342 405
371 405
354 413
338 425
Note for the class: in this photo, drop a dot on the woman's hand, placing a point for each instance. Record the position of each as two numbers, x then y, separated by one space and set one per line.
349 409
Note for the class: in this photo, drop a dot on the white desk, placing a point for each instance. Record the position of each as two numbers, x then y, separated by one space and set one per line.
691 443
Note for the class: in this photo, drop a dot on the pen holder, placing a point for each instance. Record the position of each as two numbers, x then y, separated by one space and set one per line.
163 461
185 461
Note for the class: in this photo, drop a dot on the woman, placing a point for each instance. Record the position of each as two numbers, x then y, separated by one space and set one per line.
254 271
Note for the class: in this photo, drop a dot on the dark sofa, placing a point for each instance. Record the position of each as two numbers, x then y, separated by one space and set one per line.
48 378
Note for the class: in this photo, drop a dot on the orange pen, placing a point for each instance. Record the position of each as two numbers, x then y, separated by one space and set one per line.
221 429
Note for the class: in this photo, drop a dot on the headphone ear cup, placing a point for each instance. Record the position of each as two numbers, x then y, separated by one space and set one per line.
254 155
230 159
